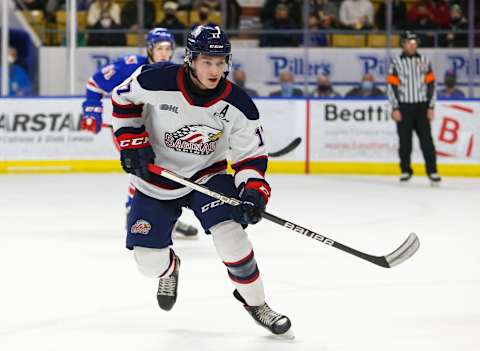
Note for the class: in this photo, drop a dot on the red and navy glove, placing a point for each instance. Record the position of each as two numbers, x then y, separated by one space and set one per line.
254 196
136 153
92 116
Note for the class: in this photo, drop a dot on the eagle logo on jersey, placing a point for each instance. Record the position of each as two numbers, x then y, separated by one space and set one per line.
141 226
195 139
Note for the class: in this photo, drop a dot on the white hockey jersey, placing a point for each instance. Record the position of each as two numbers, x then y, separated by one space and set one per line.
191 134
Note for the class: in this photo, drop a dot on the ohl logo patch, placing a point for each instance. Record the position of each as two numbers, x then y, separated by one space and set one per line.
195 139
141 226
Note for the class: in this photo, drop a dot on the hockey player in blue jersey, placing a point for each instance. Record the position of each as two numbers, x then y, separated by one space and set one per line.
189 118
160 48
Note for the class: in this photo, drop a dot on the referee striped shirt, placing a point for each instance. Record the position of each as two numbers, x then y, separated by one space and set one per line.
411 80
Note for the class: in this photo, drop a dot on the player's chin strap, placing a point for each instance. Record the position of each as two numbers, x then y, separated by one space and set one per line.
406 250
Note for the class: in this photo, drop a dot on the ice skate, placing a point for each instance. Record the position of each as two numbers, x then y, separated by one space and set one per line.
435 179
185 231
263 315
405 177
167 288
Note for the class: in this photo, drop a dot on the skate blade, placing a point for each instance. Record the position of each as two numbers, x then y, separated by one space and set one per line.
435 184
288 335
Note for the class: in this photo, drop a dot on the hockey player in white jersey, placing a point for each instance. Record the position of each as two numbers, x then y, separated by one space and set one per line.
160 48
185 118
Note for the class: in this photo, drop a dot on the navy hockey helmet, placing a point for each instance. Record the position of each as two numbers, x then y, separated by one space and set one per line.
208 40
158 35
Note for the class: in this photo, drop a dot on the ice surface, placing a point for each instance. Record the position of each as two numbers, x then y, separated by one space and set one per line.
68 284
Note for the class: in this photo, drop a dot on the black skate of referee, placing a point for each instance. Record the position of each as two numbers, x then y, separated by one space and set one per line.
411 91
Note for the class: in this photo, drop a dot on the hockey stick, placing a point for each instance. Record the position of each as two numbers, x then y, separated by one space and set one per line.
401 254
290 147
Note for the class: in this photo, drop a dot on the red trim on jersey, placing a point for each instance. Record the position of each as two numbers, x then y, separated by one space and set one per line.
215 168
133 115
181 84
238 166
126 105
252 168
223 95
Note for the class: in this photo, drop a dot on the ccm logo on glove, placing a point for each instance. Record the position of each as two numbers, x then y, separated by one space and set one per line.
133 141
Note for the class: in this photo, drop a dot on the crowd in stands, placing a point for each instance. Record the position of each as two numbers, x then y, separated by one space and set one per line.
110 22
358 15
121 16
366 88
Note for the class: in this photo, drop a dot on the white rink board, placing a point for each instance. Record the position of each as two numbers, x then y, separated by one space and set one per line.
340 130
283 121
362 130
48 129
344 66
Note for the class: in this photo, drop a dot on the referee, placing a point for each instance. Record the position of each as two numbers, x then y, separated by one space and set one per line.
411 91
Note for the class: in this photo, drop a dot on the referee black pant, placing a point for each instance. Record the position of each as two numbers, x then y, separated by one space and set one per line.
414 118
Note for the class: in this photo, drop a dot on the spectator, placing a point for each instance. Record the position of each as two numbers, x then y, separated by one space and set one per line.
294 9
458 22
171 21
366 88
204 11
399 13
104 15
19 82
356 14
33 4
441 13
450 90
437 10
421 18
184 5
129 17
53 6
281 21
214 5
324 87
316 38
287 86
327 12
239 78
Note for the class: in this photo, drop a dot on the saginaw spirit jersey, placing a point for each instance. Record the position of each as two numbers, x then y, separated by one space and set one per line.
191 134
106 79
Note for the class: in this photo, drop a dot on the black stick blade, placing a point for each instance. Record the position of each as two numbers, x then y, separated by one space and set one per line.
290 147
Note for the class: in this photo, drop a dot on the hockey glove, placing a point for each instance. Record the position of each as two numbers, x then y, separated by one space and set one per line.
136 153
254 196
92 116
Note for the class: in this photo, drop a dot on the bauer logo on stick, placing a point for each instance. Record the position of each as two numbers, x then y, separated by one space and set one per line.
141 226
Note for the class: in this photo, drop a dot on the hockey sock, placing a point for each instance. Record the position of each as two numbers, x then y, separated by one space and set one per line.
236 251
